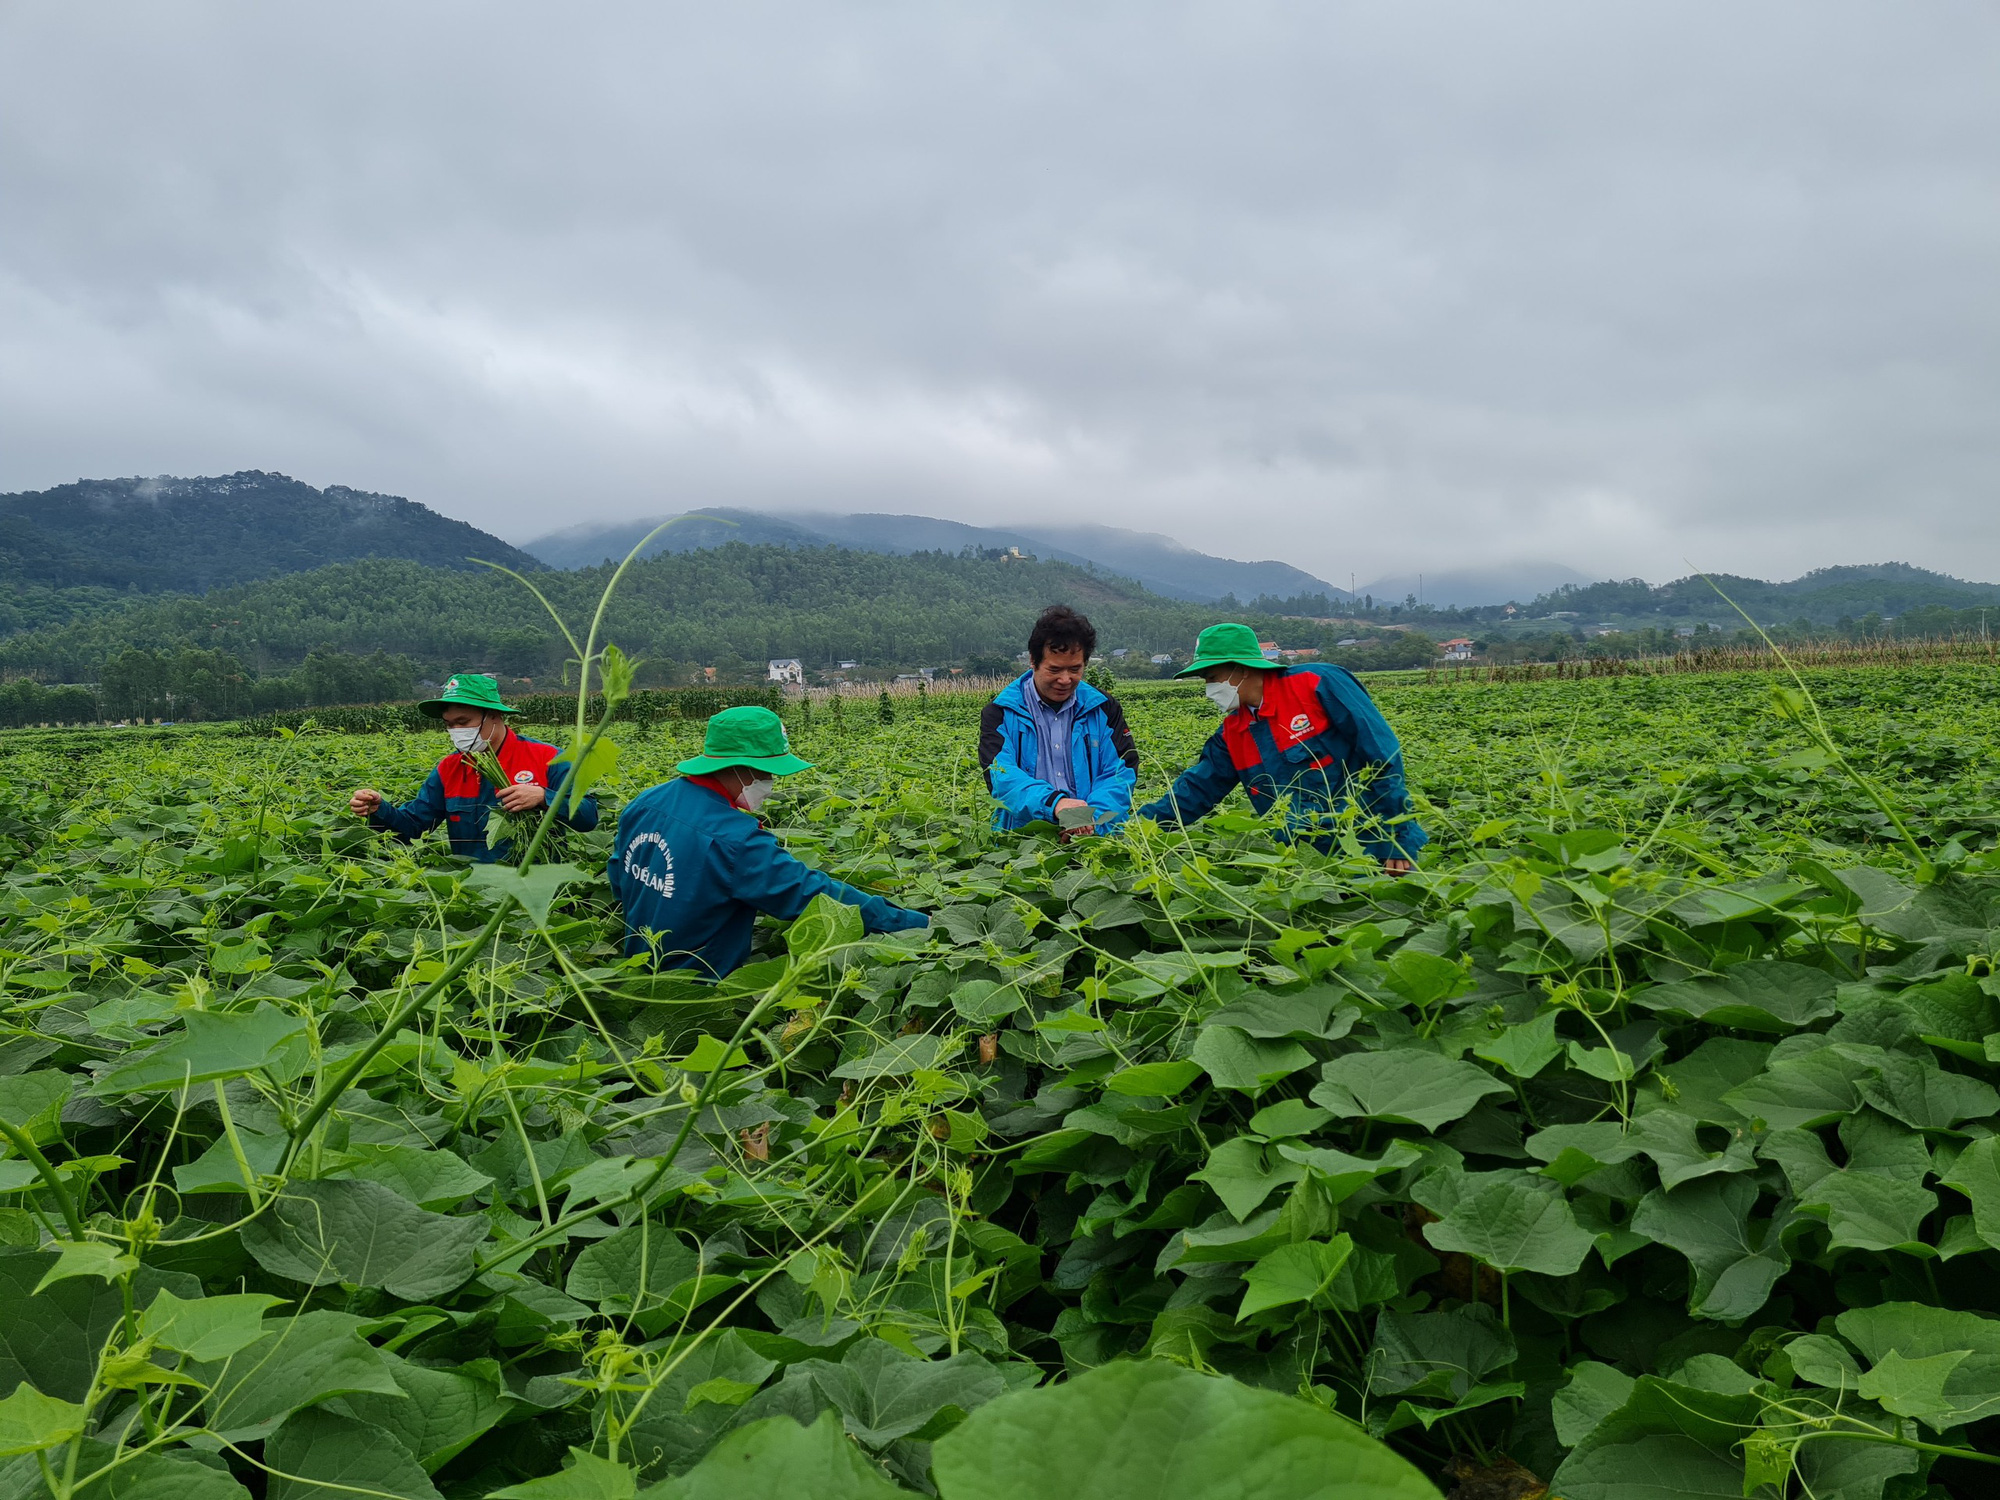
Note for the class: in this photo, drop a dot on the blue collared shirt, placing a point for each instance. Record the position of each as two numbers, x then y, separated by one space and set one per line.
1052 727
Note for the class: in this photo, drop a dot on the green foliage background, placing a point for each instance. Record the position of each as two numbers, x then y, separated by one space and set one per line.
1645 1137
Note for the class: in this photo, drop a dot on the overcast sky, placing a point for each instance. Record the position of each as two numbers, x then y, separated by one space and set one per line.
1365 287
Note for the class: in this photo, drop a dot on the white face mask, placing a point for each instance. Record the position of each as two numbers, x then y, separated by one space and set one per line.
755 790
1224 696
466 739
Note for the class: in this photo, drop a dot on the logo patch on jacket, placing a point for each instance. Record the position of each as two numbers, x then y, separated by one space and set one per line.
522 778
1300 724
661 880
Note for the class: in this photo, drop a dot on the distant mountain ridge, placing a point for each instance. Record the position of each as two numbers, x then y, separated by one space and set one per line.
187 536
1822 596
1159 562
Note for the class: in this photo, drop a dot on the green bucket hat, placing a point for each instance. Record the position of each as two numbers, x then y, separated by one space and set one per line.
748 736
472 689
1226 646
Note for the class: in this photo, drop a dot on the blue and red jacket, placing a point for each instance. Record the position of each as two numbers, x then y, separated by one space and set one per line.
1317 740
692 870
456 795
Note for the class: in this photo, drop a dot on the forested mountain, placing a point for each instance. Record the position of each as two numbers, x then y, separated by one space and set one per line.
1162 564
1823 597
86 548
731 607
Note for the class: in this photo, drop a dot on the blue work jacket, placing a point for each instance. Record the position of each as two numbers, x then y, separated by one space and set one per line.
692 870
1103 763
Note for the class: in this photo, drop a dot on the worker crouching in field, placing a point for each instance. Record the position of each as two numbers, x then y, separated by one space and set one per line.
1053 747
490 766
692 866
1308 734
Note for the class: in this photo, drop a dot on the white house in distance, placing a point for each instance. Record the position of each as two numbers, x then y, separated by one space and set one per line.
1458 650
786 669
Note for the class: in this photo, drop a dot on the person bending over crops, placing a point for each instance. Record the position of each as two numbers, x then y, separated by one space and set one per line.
1308 734
692 865
490 766
1053 747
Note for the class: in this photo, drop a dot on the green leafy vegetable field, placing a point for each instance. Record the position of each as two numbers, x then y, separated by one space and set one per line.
1642 1144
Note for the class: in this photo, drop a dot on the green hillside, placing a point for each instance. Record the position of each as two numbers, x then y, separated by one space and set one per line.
733 607
94 547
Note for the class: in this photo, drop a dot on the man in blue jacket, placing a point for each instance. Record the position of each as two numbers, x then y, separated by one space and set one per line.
1053 747
1309 735
692 866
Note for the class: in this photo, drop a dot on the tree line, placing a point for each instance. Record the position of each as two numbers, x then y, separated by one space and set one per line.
191 685
731 608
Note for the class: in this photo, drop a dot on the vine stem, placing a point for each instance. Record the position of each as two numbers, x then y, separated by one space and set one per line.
21 1142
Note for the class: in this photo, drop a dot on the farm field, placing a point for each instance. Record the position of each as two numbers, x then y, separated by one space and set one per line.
1642 1142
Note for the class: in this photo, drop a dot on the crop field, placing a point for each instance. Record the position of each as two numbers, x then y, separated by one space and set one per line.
1641 1144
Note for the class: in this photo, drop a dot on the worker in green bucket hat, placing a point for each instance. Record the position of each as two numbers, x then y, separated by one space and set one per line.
490 766
692 865
1308 736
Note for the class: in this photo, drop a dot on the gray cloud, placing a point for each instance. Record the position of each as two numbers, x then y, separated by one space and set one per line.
1367 287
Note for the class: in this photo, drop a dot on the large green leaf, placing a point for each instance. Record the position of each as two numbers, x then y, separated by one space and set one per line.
1236 1060
1943 1363
633 1270
1868 1212
1808 1090
883 1394
1736 1259
225 1044
33 1103
438 1414
1303 1272
317 1455
435 1180
1151 1430
1594 1392
1526 1049
1339 1175
31 1422
299 1362
1320 1011
363 1234
1976 1174
1673 1141
1574 1152
823 928
698 1400
533 889
1512 1221
170 1474
1440 1356
1770 996
1404 1086
51 1339
776 1458
586 1476
207 1328
898 1058
1924 1096
1664 1442
1244 1173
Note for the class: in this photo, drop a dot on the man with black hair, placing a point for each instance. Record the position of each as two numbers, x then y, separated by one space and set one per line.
1053 747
